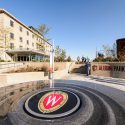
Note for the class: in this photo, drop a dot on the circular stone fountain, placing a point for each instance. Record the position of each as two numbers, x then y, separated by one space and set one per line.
52 103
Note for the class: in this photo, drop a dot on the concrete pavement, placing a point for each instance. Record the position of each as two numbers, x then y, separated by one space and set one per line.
114 91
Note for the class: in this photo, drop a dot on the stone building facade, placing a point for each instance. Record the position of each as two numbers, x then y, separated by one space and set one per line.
19 42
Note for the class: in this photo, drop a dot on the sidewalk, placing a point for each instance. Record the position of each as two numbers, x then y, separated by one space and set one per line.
108 79
96 80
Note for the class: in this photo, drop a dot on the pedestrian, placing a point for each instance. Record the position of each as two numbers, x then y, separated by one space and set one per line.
88 66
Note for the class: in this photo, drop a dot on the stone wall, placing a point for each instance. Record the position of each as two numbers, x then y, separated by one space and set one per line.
7 66
15 78
108 69
10 95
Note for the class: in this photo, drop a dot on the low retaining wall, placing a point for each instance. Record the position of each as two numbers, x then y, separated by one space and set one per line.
10 95
14 78
7 66
108 69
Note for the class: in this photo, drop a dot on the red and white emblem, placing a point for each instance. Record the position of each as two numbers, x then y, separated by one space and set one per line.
52 101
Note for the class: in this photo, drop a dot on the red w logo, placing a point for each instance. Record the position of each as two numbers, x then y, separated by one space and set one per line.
52 100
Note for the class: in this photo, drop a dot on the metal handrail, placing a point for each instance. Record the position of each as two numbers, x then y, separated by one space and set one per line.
10 65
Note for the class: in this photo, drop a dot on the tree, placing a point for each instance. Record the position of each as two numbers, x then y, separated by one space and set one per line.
43 29
57 51
69 59
114 53
83 58
4 37
87 59
109 51
78 59
100 55
4 41
60 54
63 54
106 50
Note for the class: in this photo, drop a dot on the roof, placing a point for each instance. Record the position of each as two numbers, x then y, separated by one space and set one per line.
120 40
31 27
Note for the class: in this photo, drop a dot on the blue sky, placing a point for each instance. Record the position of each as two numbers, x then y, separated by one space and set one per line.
79 26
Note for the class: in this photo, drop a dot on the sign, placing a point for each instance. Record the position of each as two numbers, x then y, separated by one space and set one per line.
52 101
94 67
116 68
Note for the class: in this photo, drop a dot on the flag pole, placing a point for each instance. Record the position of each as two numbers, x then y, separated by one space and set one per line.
51 71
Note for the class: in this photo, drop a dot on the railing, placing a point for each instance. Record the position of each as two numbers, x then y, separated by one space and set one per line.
28 50
24 49
10 65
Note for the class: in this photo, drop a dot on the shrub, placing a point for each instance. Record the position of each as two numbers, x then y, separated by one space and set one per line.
56 68
107 59
2 60
44 68
31 69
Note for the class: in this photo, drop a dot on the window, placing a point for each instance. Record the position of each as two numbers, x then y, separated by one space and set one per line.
43 42
37 46
32 44
21 39
27 33
11 23
11 35
32 36
21 29
20 47
11 45
27 42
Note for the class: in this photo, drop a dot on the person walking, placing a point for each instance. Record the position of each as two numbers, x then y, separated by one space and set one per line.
88 66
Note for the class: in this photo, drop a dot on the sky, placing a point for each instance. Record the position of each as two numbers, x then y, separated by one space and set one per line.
79 26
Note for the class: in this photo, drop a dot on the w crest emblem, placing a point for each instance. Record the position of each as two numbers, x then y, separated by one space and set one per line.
52 101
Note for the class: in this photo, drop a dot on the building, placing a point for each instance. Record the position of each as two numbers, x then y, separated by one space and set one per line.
121 49
19 42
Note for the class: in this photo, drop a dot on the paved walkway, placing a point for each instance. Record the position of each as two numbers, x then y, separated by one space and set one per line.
107 81
113 90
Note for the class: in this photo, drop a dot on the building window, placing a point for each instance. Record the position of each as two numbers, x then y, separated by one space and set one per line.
43 42
11 23
11 45
27 33
21 39
21 29
32 44
20 47
27 42
37 46
33 36
11 35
